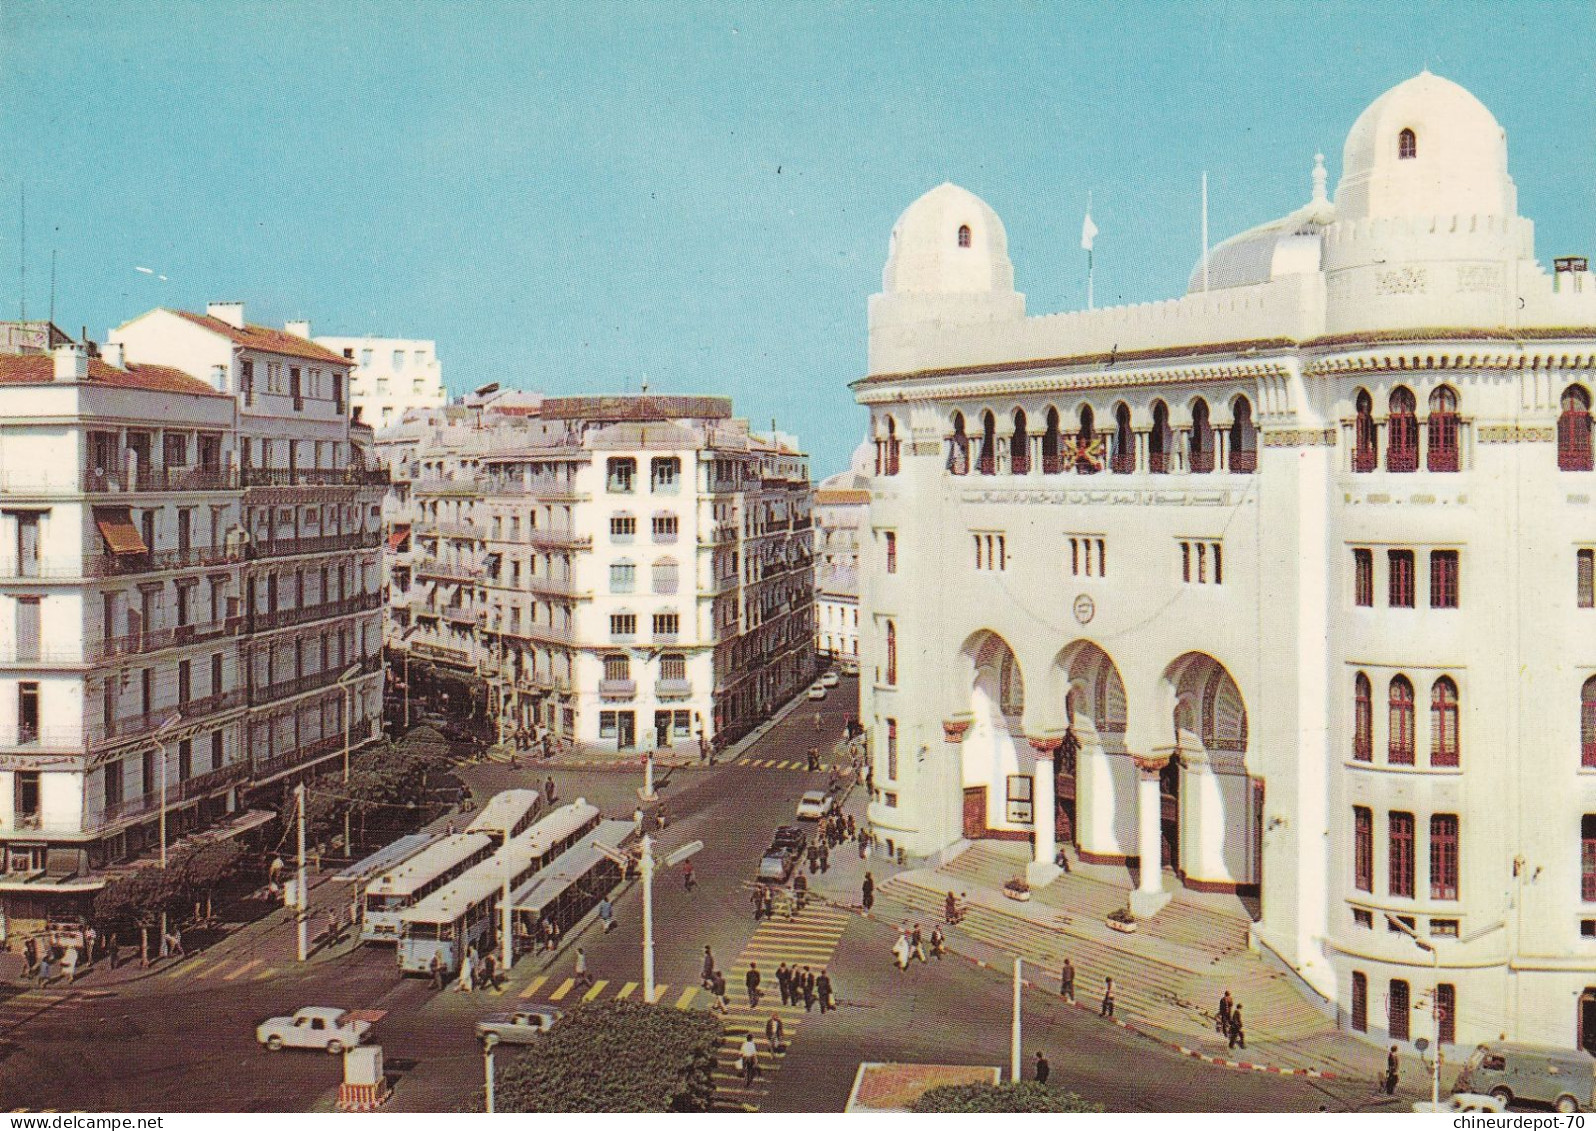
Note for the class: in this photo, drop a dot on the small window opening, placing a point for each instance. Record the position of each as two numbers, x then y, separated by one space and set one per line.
1407 145
964 235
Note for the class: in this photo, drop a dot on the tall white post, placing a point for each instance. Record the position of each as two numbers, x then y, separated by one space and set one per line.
301 901
1205 232
647 866
160 750
648 775
1014 1033
487 1067
1435 1029
508 920
1149 896
349 848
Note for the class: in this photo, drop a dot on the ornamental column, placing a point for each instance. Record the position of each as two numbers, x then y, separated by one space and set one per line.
1044 869
1149 897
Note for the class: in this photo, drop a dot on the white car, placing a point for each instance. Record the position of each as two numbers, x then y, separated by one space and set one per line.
314 1027
1462 1101
830 679
522 1027
814 805
850 667
817 692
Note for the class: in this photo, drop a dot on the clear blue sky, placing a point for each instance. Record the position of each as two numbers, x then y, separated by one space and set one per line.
569 196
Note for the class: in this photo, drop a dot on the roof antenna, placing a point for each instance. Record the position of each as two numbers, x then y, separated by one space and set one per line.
645 384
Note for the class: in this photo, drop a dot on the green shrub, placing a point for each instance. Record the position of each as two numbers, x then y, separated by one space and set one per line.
1026 1096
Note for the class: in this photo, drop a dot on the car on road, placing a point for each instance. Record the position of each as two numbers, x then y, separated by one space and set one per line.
314 1027
850 667
815 804
830 679
817 692
1462 1102
1512 1071
786 849
521 1027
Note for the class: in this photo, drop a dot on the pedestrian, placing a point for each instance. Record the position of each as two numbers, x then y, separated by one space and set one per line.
45 970
800 890
823 992
775 1033
950 909
1108 998
814 858
174 942
583 978
1222 1021
758 899
812 761
435 971
825 858
868 892
548 788
689 882
900 950
770 902
90 937
751 981
748 1060
861 839
1043 1069
30 956
722 999
810 986
113 948
917 943
1238 1032
333 933
69 964
1066 982
1393 1066
850 826
939 942
606 914
489 971
707 970
468 974
659 816
555 935
783 984
637 818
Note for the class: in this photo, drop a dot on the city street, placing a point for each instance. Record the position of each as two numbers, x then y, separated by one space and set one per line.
181 1038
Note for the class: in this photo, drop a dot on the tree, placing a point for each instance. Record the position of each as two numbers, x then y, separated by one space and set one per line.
208 867
616 1056
1026 1096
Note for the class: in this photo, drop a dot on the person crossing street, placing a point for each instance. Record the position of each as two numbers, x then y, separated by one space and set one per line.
784 983
751 980
823 992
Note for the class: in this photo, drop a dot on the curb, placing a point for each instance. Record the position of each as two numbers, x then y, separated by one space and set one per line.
1194 1054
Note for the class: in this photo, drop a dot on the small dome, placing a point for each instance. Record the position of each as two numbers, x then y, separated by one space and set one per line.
948 242
1287 246
1426 147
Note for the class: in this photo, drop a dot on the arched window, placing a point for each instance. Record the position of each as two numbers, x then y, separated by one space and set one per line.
1052 444
1587 723
986 462
1243 457
959 447
617 667
1088 452
1407 145
1124 441
1362 719
1440 431
1019 446
1399 746
1202 438
1401 431
887 449
892 654
665 575
1365 450
1159 441
1443 723
964 235
1573 431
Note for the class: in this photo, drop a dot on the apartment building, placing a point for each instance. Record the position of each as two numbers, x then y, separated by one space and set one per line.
390 377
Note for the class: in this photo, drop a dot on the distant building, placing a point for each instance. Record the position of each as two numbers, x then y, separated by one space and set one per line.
391 375
619 572
842 514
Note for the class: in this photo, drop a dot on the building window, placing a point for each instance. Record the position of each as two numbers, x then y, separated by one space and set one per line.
664 573
623 527
620 476
673 666
1088 556
1399 746
1587 858
28 712
1400 585
986 459
1019 798
1441 448
891 540
665 475
1443 579
1401 431
1362 719
991 552
1362 848
1401 865
1407 145
623 625
1019 446
1397 1022
607 724
1574 430
1363 918
892 749
1444 744
216 749
665 528
1587 723
1365 438
667 624
1443 928
1202 563
889 800
617 667
1445 1008
964 235
1443 856
1585 579
958 462
892 654
623 577
113 783
1360 1002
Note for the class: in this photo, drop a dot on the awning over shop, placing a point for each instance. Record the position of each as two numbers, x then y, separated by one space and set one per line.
398 538
116 527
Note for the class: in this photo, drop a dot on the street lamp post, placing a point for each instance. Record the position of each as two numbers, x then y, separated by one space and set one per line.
487 1067
508 920
1014 1029
1435 1006
348 689
162 732
647 866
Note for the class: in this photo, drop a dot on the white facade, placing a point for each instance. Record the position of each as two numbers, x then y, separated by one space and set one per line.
842 515
1152 560
391 376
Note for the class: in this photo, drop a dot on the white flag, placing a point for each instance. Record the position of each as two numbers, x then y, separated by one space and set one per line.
1088 232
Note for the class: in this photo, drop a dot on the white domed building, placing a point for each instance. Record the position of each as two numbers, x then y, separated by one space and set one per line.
1285 584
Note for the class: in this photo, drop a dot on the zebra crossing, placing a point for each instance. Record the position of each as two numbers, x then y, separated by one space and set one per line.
29 1005
774 764
220 968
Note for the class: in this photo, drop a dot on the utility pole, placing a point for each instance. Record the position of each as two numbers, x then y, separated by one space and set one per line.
487 1061
301 901
1014 1034
647 867
508 950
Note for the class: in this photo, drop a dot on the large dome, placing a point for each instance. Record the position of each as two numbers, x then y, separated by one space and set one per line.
1287 246
1426 147
948 242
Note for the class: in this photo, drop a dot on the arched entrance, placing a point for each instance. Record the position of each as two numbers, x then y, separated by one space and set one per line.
997 801
1212 808
1096 781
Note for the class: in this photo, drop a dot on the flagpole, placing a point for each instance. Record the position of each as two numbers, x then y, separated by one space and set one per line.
1090 305
1088 237
1205 231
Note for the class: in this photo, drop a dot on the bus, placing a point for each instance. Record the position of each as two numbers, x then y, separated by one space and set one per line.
572 887
431 869
462 914
515 809
387 858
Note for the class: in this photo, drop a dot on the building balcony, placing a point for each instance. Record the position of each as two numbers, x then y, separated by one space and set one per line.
316 544
424 650
560 539
554 492
452 488
212 780
283 618
556 586
96 482
719 536
157 561
617 688
156 639
547 633
448 571
313 477
325 747
460 614
288 688
673 688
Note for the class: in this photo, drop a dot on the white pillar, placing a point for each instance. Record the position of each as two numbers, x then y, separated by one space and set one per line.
1043 870
1149 895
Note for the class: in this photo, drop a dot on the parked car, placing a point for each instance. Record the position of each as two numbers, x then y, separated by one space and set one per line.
522 1027
817 692
830 679
1508 1071
850 667
786 849
795 835
815 804
314 1027
1462 1102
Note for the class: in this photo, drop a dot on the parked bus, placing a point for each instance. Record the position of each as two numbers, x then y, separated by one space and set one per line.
462 914
573 886
387 858
515 809
425 873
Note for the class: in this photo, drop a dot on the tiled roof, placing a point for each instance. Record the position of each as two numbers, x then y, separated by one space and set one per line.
266 339
39 369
